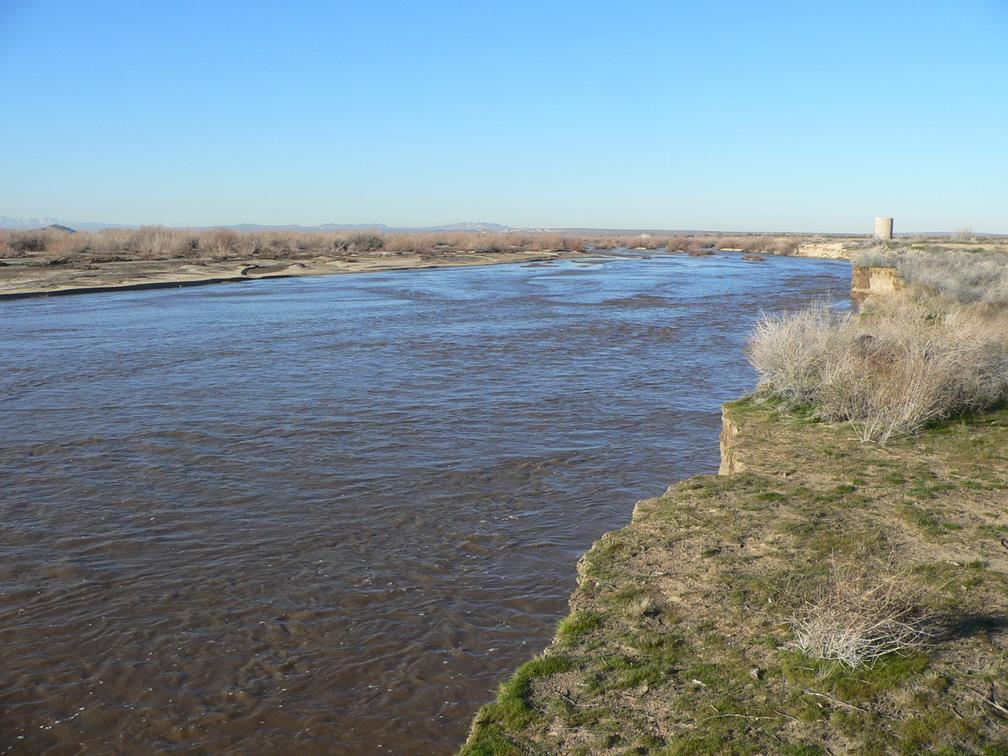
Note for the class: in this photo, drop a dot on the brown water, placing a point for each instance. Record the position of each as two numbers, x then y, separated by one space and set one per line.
329 514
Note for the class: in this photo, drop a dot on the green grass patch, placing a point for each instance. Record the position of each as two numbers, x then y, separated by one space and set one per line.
512 711
852 685
575 626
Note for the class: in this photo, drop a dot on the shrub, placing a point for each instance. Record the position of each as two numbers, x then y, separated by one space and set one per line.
873 258
160 243
365 242
897 367
22 243
862 611
220 244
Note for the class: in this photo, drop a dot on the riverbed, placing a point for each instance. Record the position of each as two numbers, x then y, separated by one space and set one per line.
330 514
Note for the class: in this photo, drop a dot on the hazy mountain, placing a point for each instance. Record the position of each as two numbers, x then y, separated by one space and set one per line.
7 221
475 227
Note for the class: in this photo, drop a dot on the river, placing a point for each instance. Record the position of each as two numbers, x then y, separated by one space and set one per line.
330 514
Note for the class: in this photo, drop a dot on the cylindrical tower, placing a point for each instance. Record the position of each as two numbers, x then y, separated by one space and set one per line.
883 228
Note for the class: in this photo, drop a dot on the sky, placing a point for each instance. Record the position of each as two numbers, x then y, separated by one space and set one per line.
747 115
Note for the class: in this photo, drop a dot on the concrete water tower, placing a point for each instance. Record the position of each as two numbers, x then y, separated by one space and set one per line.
883 228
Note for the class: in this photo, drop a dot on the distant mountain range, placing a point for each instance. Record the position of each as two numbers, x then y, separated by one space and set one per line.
25 224
367 227
7 221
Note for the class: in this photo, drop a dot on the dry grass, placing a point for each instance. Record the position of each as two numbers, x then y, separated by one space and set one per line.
864 609
902 364
967 276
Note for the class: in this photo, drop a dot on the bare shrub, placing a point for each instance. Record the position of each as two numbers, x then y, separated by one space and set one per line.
874 257
791 352
246 245
70 245
417 244
219 244
899 366
160 243
24 243
978 276
365 242
574 244
785 245
484 243
678 244
864 609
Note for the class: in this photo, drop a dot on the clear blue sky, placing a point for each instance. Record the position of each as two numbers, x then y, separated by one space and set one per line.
716 115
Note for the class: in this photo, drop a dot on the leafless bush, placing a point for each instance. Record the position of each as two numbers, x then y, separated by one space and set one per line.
899 366
219 244
160 243
864 610
25 243
365 241
874 257
964 276
416 244
791 352
785 245
246 245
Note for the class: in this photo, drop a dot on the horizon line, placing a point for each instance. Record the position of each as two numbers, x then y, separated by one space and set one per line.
471 226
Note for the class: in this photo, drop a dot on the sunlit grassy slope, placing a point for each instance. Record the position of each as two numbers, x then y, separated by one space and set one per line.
678 639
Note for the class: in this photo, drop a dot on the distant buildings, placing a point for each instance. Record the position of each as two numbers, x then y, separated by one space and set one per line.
883 228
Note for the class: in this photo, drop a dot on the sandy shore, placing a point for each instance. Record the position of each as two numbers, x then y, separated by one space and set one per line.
27 278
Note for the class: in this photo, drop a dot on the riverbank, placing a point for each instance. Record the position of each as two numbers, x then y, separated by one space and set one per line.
678 640
59 260
30 277
35 277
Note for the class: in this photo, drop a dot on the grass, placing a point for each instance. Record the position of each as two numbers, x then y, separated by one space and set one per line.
512 709
679 638
967 275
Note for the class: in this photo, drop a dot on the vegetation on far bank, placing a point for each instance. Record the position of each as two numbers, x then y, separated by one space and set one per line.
159 243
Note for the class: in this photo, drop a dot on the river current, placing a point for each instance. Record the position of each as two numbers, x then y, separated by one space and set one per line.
330 514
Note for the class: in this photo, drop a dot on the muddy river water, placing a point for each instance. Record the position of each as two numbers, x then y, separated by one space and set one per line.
328 515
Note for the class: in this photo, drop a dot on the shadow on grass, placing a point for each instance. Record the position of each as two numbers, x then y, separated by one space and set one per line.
967 625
